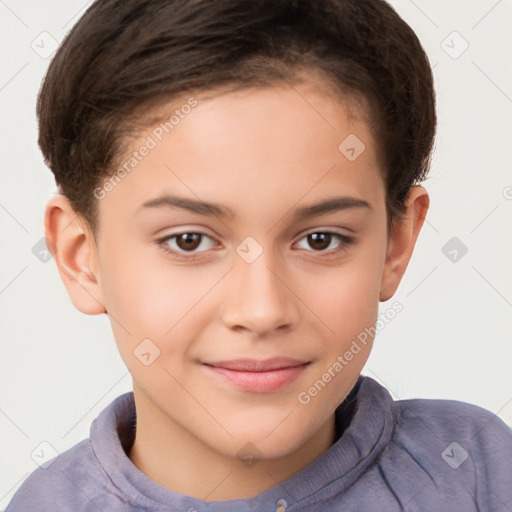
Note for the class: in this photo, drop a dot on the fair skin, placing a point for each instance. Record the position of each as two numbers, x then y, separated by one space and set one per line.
264 154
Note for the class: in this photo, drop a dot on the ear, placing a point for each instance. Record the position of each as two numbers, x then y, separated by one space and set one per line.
72 244
402 240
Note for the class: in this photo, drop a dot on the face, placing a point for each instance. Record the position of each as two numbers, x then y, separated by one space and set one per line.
239 259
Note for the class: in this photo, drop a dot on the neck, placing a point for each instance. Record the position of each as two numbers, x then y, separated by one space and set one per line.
172 457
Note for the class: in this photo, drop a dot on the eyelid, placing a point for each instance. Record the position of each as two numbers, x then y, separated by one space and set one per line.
324 229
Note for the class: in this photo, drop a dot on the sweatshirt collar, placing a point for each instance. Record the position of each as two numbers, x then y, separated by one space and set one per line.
366 418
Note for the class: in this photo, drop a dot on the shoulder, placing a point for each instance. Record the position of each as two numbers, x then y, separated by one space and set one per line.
66 482
77 478
453 447
450 419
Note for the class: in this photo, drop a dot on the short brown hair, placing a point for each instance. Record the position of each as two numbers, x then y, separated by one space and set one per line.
124 56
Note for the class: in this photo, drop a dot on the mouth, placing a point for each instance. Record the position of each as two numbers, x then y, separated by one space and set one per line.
258 376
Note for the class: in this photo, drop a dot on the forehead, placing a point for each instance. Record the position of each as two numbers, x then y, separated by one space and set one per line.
258 146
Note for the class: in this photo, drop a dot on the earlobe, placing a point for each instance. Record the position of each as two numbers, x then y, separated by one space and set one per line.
404 234
74 250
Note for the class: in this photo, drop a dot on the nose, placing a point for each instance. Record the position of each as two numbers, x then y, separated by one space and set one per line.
258 299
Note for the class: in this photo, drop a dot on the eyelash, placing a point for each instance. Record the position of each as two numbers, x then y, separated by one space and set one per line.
343 240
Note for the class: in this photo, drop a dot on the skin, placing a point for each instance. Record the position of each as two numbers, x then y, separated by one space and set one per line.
263 153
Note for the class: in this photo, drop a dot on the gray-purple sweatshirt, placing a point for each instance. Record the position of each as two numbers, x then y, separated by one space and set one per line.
408 455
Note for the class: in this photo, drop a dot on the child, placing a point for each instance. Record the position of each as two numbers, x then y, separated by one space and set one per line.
239 188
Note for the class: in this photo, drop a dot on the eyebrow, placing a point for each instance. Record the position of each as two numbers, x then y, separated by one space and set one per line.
204 208
329 206
192 205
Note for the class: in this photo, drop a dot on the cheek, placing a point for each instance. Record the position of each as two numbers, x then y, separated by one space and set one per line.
347 303
149 298
346 298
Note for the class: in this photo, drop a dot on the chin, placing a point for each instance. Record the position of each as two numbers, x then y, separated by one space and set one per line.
266 443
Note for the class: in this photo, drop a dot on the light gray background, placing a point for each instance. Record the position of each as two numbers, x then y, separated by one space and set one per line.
60 368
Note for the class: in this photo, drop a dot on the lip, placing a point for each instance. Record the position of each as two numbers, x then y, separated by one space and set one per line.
258 376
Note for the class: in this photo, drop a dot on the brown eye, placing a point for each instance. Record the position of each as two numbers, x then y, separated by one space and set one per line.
182 243
188 241
319 241
324 241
